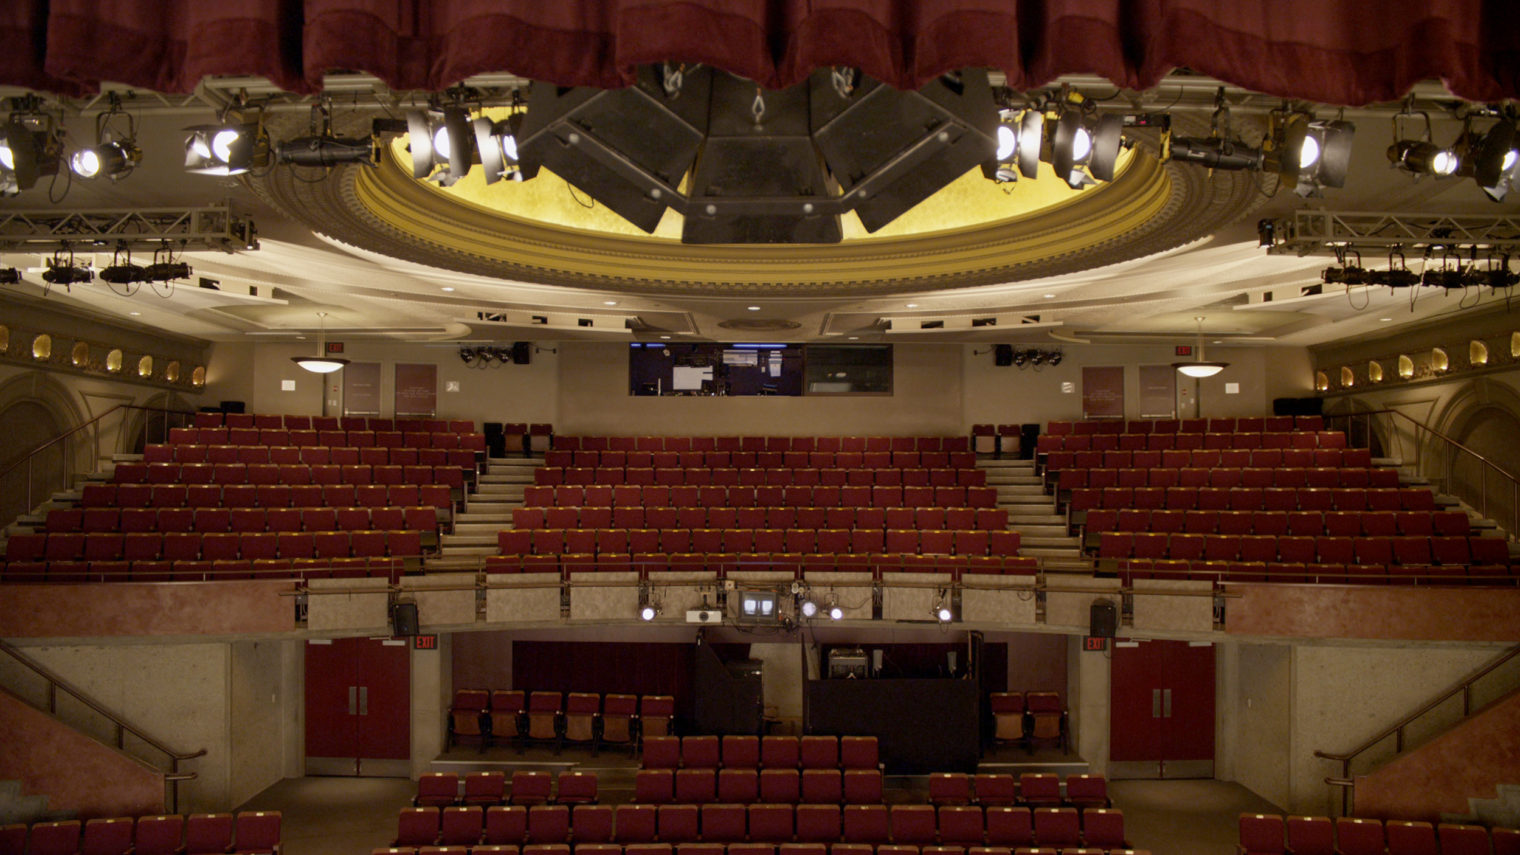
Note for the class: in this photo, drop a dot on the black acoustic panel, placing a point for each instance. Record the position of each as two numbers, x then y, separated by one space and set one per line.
890 150
922 726
626 148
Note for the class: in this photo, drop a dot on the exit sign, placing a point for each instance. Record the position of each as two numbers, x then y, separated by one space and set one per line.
335 347
425 642
1091 642
1184 350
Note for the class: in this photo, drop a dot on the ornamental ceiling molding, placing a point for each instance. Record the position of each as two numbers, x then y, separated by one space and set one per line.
1150 207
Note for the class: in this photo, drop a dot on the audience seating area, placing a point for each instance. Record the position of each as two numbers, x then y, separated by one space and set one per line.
442 789
727 503
1024 718
1271 834
261 496
483 716
247 833
1255 499
907 829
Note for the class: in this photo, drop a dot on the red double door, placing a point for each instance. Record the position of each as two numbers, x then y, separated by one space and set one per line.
1161 716
358 707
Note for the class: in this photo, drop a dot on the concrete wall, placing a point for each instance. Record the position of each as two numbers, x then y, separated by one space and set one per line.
1254 712
258 727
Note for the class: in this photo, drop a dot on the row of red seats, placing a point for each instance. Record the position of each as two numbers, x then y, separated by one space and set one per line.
1305 440
442 789
268 496
747 786
211 546
276 420
290 474
1339 574
1305 523
755 477
769 496
1291 549
746 849
312 455
617 541
1264 834
1234 458
50 572
795 563
251 520
815 751
762 459
1253 498
249 833
1226 424
914 825
763 443
1033 789
331 438
1192 476
984 519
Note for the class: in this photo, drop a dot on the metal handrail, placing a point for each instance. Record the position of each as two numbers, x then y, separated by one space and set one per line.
26 459
1396 730
172 776
1514 528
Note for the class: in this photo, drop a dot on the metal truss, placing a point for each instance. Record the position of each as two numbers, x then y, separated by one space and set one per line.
1339 232
138 229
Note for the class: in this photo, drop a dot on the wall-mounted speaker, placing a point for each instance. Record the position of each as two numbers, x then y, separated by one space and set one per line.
1103 619
1002 355
522 352
404 619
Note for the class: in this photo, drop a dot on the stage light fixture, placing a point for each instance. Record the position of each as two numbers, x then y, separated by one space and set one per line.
835 612
123 271
808 608
440 138
1053 358
1018 146
326 151
9 276
1199 367
942 611
232 147
1036 357
649 612
321 363
1420 156
497 144
115 153
66 274
1020 358
30 147
467 356
1308 154
1083 146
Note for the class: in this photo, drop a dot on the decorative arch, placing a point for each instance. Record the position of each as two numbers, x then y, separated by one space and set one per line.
1484 416
34 408
143 426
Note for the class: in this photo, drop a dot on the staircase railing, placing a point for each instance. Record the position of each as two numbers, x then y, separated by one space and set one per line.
1347 783
1504 480
30 458
55 684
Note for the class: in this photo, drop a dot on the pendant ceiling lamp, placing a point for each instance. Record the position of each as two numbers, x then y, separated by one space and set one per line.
1200 367
321 363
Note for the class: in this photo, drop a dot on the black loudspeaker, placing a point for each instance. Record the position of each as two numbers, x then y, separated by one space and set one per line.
231 406
1029 437
1002 355
404 619
1298 406
1103 619
522 352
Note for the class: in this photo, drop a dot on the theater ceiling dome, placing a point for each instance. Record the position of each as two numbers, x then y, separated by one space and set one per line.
971 232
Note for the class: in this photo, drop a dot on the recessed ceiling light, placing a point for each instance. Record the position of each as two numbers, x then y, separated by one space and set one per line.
134 314
448 289
854 338
1050 296
666 337
1385 320
912 305
609 302
753 308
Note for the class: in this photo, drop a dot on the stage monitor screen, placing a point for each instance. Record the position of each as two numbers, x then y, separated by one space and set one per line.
757 606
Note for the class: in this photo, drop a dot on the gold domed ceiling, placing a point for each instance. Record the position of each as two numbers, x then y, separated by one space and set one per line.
972 232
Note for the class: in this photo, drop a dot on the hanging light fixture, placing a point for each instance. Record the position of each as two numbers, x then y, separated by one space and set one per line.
115 153
1199 367
235 144
321 363
1420 156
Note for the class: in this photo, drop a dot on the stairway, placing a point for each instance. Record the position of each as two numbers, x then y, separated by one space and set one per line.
487 510
1481 525
1032 513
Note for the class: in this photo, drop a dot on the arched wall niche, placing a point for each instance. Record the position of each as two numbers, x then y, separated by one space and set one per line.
35 408
1484 416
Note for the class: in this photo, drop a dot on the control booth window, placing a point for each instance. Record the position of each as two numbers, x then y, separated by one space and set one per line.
717 370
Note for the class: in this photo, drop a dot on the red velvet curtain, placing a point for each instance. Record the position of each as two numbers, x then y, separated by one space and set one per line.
1332 51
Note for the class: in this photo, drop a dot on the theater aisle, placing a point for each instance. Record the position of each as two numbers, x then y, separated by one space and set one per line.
1185 817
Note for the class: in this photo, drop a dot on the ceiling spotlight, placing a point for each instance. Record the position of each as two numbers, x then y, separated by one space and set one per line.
1036 357
1199 367
167 271
124 273
1053 358
326 151
1309 154
1018 146
229 148
649 612
115 153
808 608
1081 141
1420 156
64 273
466 355
30 147
835 612
1020 357
440 138
941 610
321 363
497 144
9 276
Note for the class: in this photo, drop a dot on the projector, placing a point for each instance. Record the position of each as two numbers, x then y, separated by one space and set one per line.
704 616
